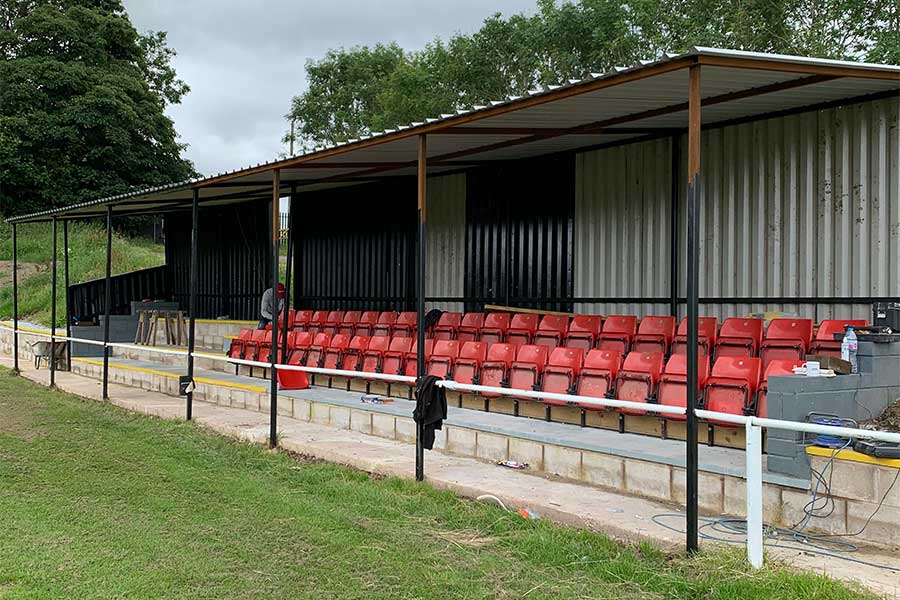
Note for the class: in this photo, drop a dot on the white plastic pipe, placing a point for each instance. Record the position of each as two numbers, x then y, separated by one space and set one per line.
753 456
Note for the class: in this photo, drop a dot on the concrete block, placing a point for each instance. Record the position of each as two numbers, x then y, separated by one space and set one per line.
526 451
489 446
736 500
321 413
794 466
265 402
461 441
785 448
711 492
794 501
440 440
603 469
383 425
884 527
252 400
285 406
647 479
302 409
340 417
565 462
887 479
406 430
849 479
361 421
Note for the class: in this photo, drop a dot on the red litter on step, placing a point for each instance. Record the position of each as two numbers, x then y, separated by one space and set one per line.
527 513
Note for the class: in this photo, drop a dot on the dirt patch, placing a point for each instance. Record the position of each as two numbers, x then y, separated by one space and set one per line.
889 420
25 270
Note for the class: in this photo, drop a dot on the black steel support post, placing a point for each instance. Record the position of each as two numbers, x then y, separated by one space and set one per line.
420 298
273 384
675 226
107 302
287 273
15 268
53 307
192 302
68 301
693 293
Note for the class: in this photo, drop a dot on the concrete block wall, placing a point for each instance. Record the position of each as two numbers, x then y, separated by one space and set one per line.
858 397
211 334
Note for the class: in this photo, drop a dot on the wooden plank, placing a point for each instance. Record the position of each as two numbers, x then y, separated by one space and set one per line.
532 311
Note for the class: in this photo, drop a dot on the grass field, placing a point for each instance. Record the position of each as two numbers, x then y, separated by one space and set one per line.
87 260
96 502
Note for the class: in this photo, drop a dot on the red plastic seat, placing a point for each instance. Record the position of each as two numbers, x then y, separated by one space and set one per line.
467 366
264 348
335 351
293 380
618 333
302 341
786 338
654 334
385 324
373 356
333 322
405 325
825 343
673 383
395 356
525 372
442 358
707 332
495 327
601 367
739 337
302 319
562 371
782 366
470 327
290 319
316 352
638 378
236 349
448 326
583 331
733 385
495 368
366 324
258 337
349 322
317 321
411 369
551 331
353 354
521 328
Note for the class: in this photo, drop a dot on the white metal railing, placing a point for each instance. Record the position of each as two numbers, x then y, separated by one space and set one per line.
753 425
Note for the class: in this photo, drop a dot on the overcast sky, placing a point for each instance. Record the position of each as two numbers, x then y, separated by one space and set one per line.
244 59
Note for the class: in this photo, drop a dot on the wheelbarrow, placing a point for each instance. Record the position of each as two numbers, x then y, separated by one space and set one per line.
41 351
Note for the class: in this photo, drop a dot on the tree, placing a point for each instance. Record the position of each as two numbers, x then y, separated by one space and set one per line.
82 100
570 39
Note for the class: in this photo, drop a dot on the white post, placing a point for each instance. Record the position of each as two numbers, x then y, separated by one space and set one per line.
754 496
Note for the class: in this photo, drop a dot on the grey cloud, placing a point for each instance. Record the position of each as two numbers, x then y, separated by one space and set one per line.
244 60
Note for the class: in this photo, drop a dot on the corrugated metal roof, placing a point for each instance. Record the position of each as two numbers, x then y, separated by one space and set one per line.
647 97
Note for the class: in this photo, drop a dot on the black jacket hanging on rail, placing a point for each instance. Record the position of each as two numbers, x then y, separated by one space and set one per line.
431 408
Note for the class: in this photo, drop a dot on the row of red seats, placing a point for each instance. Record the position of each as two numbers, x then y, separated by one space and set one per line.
642 377
784 338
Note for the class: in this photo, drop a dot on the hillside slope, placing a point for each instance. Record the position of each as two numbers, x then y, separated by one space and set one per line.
87 260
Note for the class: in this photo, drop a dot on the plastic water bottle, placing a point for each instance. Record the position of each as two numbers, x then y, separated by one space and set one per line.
849 346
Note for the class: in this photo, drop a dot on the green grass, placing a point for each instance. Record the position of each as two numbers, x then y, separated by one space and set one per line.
96 502
87 260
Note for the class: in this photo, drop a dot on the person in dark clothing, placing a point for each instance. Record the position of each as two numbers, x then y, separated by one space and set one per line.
267 306
431 408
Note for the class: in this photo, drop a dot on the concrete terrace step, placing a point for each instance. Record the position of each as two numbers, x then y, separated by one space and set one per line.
649 467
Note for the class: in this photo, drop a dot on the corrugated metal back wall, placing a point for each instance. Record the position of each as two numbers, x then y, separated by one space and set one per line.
519 235
355 247
805 206
445 247
234 259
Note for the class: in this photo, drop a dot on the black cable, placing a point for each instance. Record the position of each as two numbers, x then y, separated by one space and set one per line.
875 512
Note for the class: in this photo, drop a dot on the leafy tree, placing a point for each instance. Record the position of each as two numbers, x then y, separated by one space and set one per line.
569 39
82 99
